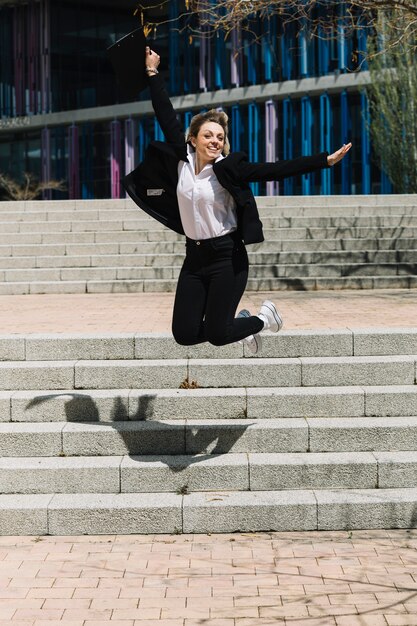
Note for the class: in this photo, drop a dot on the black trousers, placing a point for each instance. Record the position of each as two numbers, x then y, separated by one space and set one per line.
210 286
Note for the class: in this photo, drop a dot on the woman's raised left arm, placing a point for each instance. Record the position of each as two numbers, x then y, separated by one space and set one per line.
263 172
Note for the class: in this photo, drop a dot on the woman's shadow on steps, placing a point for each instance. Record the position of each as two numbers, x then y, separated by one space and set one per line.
149 435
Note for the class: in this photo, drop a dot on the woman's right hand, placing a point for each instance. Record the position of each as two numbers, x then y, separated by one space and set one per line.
152 59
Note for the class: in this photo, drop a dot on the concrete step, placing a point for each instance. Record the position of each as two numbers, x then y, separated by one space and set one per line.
202 512
368 218
209 373
340 260
204 437
21 245
80 269
153 346
170 285
143 232
208 472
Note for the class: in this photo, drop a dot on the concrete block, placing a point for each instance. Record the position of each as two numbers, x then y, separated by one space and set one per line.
312 471
391 400
30 439
5 406
37 375
24 514
160 404
58 286
14 289
115 286
69 406
63 347
358 370
44 275
369 433
12 347
305 402
201 472
62 261
60 475
245 372
366 509
396 469
134 438
119 374
155 285
88 273
121 513
144 273
221 436
159 345
225 512
306 343
379 341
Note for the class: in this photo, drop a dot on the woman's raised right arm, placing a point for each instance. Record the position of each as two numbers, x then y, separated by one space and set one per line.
161 103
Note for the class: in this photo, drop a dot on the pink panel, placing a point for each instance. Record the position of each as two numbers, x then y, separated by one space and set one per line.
271 151
73 162
46 161
129 146
45 56
115 158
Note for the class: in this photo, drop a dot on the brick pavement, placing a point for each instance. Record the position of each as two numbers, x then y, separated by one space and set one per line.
359 578
242 579
148 312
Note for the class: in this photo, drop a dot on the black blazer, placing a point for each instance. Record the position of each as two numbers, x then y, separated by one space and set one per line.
153 184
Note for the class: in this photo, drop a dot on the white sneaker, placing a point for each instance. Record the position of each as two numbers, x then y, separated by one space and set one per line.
271 318
254 342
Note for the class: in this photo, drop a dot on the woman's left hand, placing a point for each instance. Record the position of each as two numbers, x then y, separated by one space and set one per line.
337 156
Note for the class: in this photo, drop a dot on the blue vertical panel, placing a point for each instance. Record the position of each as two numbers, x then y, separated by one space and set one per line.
303 50
365 145
87 149
345 164
362 34
219 60
288 143
158 134
342 46
325 141
236 126
250 50
306 141
267 56
288 45
187 119
173 50
323 54
73 162
254 128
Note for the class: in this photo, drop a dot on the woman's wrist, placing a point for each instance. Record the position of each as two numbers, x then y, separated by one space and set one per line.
151 70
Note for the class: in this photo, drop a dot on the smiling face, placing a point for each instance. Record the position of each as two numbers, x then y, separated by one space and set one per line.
209 142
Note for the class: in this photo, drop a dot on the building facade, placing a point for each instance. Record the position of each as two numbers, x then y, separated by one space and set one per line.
63 117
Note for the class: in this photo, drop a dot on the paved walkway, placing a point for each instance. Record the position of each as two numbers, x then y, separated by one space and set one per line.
243 579
147 312
361 578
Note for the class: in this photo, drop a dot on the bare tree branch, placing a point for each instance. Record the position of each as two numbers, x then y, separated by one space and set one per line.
29 189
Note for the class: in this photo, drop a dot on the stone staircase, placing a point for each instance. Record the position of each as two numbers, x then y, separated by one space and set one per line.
105 246
136 434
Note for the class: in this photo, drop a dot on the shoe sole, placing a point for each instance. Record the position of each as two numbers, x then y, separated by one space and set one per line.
278 319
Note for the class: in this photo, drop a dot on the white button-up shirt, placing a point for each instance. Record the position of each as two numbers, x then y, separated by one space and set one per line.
206 208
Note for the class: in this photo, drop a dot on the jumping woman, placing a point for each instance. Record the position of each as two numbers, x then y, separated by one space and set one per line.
194 186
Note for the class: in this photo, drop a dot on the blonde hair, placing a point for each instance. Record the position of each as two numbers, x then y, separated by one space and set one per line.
219 117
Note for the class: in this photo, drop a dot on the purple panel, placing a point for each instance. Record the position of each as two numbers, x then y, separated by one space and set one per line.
129 146
202 68
46 161
33 57
73 162
236 57
45 58
271 131
115 158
